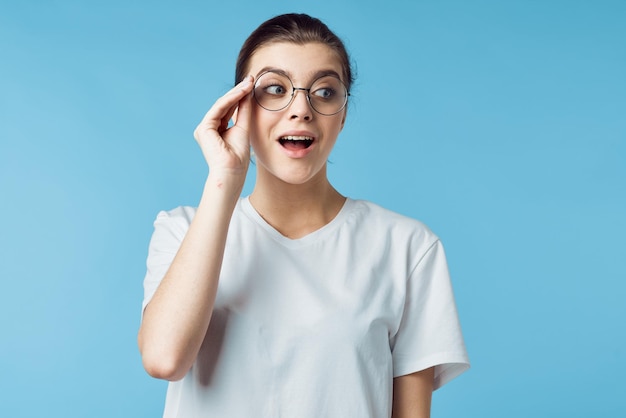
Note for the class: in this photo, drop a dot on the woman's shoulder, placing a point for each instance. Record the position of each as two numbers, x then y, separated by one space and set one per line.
401 237
375 216
183 214
174 222
180 216
374 211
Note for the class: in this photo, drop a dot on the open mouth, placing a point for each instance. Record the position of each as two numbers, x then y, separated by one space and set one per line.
293 142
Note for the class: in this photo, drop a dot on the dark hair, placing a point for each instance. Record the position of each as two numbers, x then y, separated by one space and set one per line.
295 28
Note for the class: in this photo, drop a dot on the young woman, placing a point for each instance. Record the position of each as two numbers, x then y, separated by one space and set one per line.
295 301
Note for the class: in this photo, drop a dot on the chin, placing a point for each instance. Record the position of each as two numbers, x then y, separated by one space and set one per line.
296 179
296 176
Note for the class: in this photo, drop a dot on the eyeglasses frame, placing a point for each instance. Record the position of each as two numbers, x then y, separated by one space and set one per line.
308 93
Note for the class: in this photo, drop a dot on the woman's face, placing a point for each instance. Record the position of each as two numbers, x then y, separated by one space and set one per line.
293 144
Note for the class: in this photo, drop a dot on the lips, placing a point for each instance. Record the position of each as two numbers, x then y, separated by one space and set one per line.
296 142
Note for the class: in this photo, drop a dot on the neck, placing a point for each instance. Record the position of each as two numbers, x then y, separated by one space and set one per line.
296 210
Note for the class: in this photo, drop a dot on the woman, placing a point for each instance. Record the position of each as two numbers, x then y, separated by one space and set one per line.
295 301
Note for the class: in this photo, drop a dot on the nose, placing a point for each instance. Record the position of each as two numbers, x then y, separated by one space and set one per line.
300 107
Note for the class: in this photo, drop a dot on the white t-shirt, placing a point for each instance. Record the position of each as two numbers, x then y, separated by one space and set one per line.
317 326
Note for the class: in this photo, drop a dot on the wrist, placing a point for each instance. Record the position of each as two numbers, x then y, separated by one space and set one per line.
223 185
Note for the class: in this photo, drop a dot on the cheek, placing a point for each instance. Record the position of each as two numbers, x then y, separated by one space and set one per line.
261 124
336 125
256 124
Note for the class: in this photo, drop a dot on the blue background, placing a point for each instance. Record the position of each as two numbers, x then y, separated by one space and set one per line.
501 124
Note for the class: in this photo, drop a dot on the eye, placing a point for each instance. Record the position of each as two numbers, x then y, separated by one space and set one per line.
275 89
325 93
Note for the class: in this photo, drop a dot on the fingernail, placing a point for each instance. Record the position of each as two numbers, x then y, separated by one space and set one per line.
244 82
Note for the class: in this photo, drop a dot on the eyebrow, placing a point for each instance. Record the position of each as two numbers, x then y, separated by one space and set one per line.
314 76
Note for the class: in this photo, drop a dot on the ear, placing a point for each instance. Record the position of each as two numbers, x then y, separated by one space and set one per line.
343 119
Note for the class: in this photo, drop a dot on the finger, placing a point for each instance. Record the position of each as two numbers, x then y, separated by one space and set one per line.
242 118
234 116
225 120
225 104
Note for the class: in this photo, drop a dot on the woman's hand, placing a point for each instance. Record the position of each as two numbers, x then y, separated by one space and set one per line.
227 150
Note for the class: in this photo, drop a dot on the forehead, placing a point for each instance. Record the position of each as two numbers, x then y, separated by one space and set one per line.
300 62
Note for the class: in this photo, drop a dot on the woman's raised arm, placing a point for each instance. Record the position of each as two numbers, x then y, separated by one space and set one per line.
176 319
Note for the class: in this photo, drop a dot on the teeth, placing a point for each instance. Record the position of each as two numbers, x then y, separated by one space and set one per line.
296 138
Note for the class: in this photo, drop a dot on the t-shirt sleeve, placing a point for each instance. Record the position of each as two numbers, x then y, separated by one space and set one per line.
169 230
430 333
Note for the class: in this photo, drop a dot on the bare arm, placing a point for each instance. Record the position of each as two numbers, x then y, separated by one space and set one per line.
412 394
177 318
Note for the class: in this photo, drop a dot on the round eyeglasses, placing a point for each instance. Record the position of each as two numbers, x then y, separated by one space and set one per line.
274 91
